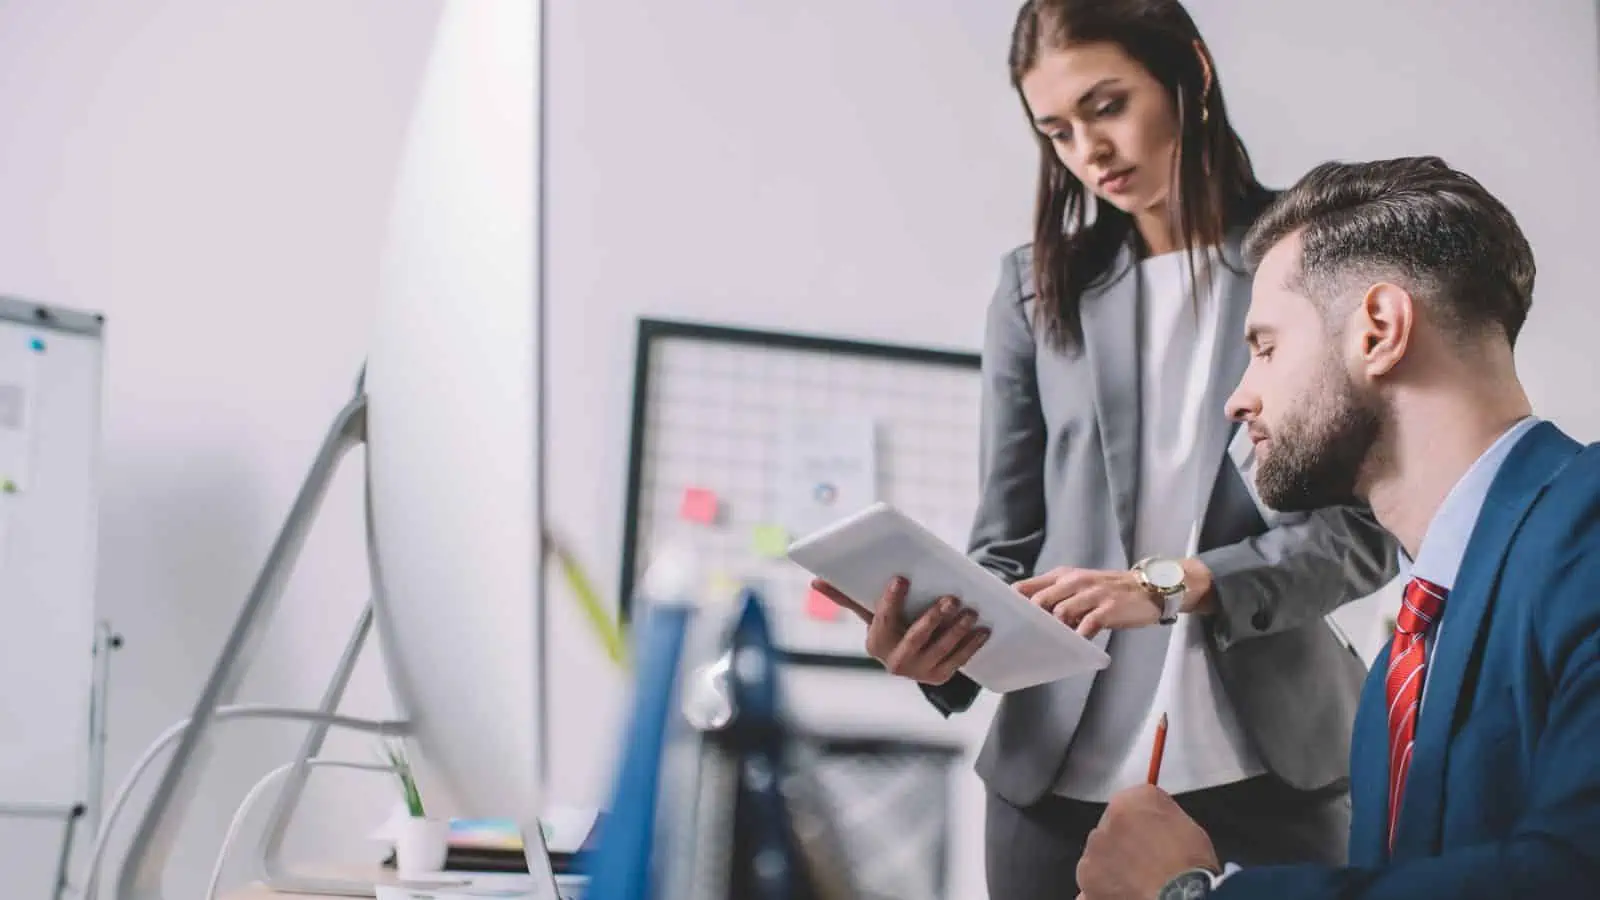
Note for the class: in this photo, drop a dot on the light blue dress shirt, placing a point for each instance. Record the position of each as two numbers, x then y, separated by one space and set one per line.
1445 542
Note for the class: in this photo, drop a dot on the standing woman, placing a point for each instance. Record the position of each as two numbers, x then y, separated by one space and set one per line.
1116 493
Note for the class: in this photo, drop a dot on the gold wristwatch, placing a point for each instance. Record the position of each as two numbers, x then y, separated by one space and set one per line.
1163 578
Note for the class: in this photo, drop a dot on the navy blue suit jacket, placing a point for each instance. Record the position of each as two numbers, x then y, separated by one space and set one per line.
1503 796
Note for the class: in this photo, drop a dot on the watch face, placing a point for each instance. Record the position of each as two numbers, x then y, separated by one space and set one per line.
1191 885
1165 574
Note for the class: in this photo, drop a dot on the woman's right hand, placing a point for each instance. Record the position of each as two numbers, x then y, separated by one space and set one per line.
929 650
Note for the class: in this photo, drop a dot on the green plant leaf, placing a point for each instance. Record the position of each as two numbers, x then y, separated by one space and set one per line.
395 752
413 799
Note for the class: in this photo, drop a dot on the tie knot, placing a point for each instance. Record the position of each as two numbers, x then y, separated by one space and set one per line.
1421 606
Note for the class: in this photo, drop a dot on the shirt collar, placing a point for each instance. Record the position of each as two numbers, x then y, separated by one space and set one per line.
1444 544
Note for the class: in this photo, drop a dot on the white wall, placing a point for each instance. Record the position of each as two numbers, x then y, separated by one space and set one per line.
215 178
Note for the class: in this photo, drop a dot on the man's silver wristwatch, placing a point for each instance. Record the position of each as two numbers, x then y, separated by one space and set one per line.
1195 884
1163 578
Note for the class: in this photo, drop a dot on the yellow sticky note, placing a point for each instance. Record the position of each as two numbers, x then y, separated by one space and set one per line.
771 540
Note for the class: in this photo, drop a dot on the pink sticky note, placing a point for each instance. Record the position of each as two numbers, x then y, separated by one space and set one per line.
818 606
699 505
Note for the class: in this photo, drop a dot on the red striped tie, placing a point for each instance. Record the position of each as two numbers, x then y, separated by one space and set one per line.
1419 610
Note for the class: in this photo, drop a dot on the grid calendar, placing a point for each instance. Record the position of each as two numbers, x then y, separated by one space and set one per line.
717 410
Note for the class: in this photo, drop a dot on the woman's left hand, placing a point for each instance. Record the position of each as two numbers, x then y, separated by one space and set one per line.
1092 600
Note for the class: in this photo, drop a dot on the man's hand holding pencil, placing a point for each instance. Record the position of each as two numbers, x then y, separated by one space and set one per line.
1143 840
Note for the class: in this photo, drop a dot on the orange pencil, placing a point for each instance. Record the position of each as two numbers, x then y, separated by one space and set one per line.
1159 748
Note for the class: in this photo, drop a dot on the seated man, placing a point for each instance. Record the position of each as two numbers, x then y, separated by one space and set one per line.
1387 299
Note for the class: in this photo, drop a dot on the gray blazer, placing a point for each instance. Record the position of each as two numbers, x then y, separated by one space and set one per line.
1060 453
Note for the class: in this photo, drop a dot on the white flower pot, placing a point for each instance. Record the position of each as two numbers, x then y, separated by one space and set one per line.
420 846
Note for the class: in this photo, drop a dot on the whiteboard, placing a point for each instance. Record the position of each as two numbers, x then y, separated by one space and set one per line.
717 410
50 369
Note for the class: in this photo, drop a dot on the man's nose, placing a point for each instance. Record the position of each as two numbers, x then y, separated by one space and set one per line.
1242 405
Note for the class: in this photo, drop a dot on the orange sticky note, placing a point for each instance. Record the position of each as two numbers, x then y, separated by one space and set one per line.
818 606
699 505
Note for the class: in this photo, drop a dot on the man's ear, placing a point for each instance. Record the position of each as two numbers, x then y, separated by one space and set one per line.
1382 322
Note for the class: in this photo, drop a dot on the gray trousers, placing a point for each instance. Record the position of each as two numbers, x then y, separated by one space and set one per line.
1032 853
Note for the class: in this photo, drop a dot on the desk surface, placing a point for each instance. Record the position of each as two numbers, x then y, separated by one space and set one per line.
258 891
261 892
376 875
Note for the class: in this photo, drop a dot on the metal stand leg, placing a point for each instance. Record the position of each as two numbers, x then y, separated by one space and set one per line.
64 865
69 814
140 875
271 865
105 642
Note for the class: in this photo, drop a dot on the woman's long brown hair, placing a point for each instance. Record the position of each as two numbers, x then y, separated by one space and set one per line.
1214 184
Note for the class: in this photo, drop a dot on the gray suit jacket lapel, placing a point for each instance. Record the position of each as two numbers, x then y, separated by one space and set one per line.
1110 315
1232 354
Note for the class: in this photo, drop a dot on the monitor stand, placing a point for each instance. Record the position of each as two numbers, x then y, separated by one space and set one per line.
275 874
143 865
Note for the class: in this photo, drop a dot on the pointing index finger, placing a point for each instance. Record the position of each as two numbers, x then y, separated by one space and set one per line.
840 598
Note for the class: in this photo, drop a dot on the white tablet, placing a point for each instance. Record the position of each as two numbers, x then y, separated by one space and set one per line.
1027 646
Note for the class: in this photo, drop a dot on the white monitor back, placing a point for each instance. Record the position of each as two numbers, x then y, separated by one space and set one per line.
451 430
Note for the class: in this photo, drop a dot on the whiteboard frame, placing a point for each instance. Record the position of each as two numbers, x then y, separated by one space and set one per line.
55 318
90 325
87 805
651 332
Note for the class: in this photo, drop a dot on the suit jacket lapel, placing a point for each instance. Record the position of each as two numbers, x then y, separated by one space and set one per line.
1536 460
1369 771
1109 313
1228 365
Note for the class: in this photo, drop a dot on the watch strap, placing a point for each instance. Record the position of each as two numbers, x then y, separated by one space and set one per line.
1171 605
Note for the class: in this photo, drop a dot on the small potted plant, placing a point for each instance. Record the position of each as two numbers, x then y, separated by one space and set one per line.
421 843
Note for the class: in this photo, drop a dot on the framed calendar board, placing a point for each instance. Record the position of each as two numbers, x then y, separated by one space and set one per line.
743 440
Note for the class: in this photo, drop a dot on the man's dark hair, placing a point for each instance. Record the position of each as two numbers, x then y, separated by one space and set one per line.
1414 221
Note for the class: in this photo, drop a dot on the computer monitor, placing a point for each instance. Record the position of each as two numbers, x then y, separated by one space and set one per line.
448 424
451 427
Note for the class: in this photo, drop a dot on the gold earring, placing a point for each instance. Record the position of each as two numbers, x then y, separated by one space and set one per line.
1205 91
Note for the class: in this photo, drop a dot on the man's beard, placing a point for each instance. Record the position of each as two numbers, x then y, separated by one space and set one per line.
1318 451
